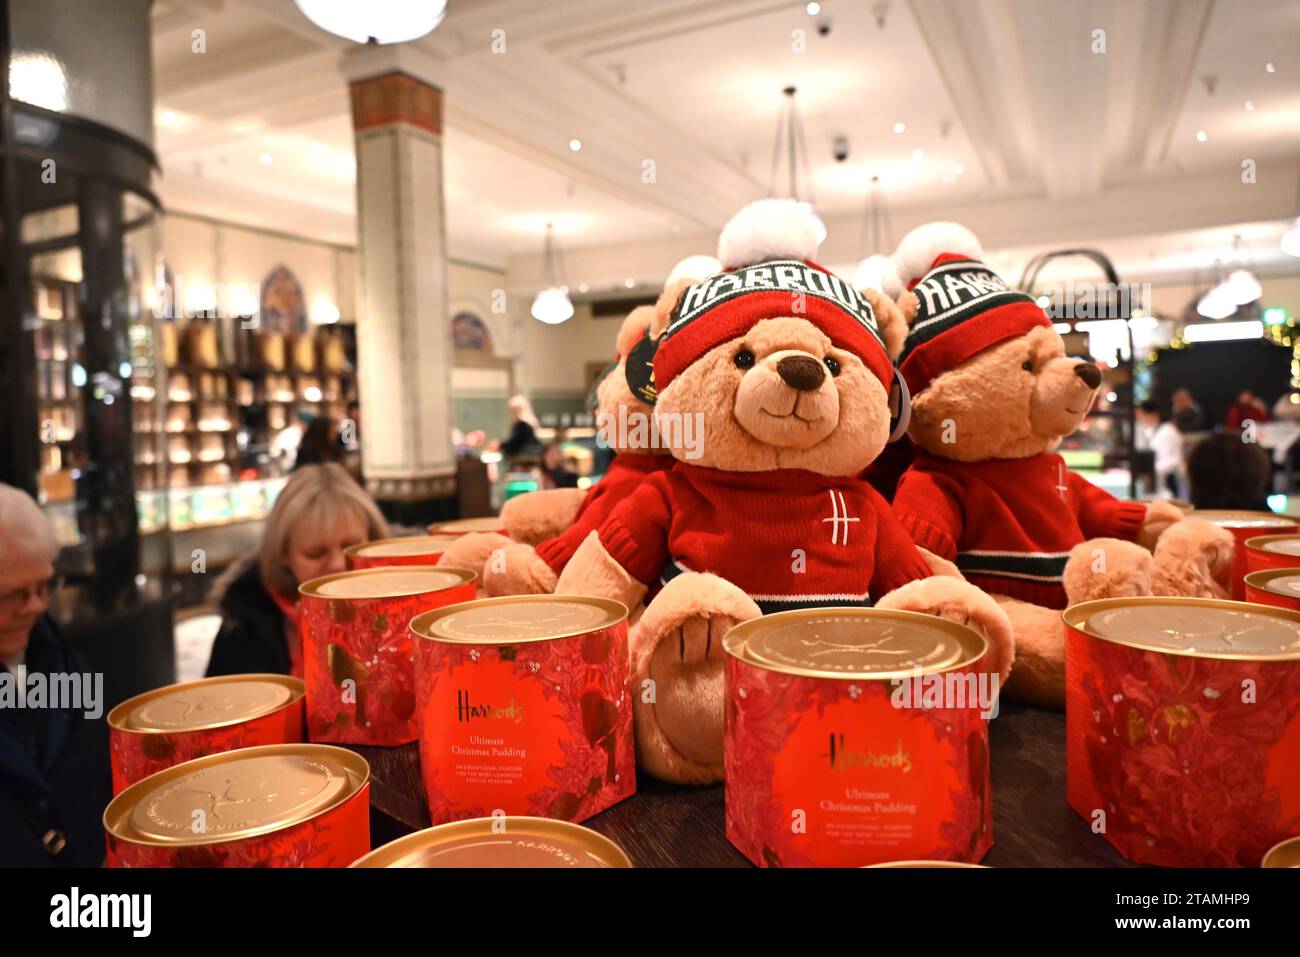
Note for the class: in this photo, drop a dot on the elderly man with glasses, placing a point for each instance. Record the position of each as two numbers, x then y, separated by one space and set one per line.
54 777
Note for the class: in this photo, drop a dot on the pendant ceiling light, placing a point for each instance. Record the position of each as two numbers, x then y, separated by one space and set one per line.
789 134
552 305
378 21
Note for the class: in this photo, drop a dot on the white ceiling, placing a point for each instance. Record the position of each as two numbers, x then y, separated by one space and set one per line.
1055 144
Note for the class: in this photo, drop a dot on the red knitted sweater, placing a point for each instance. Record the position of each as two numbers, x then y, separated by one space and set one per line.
788 538
1009 524
624 474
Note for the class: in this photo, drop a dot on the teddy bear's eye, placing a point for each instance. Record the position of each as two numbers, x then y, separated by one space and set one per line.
833 364
1027 365
744 359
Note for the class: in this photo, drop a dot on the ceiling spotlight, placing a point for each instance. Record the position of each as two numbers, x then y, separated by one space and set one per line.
629 283
1201 137
813 9
575 144
582 287
1250 106
265 159
900 127
1269 67
918 155
959 169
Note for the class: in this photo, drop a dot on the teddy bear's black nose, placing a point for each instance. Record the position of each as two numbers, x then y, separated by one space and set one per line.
1089 373
801 372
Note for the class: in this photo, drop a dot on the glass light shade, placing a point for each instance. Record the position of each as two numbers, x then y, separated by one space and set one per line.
387 21
552 306
1216 304
1291 239
1242 287
871 273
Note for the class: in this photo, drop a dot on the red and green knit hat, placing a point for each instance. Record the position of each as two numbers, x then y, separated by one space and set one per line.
964 306
767 254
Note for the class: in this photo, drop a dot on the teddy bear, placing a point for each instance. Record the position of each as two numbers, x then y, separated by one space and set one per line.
786 372
544 528
993 394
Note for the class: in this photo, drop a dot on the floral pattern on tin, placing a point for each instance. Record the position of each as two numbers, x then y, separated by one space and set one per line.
1180 749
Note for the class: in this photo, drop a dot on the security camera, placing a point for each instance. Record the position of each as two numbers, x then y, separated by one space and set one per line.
840 148
824 28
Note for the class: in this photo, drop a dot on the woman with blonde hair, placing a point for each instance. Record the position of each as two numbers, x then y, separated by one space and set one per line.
320 512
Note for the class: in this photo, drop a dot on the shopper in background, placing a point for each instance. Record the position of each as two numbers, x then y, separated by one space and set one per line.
555 472
320 512
523 428
54 773
320 443
1247 408
1165 443
1187 414
1225 472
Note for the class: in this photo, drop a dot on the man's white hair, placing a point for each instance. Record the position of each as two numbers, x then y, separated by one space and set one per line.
24 529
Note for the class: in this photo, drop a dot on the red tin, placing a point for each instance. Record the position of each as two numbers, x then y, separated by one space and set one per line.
1279 587
465 526
846 744
279 805
500 841
1182 727
1245 526
167 726
411 550
1272 551
524 707
357 653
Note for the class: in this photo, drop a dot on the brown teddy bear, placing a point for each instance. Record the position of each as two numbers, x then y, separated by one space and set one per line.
545 528
993 394
786 369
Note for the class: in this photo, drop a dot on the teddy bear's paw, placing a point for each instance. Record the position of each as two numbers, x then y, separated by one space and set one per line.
534 517
1193 558
1039 677
517 570
677 676
958 600
472 551
1159 517
1106 568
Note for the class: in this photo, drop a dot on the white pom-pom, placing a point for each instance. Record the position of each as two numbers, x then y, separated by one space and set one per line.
916 254
694 268
769 229
876 272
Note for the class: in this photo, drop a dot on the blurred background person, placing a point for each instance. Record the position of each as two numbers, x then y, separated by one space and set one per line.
320 443
318 515
1163 444
1248 407
555 470
523 429
1187 414
1225 472
54 773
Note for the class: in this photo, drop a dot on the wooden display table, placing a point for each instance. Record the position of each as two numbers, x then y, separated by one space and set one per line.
664 825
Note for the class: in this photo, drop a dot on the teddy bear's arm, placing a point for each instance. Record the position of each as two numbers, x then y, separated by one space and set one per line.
593 571
1102 515
536 516
631 545
929 507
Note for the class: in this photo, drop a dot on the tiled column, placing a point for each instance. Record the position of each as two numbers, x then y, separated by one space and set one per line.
404 347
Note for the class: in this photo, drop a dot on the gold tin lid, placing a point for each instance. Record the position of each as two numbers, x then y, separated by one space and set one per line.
1279 581
927 864
518 619
387 581
1233 518
500 842
1283 854
401 547
241 794
1193 627
1277 544
861 643
206 704
463 526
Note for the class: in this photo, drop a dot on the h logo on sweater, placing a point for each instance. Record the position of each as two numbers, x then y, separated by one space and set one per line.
840 517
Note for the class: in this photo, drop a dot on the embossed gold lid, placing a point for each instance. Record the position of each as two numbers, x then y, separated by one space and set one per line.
387 581
1283 854
405 546
500 842
1194 627
922 863
206 704
1232 518
240 794
463 526
1288 544
1279 581
517 619
861 643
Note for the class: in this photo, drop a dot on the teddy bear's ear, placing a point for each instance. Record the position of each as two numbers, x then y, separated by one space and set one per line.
668 300
918 250
891 319
634 326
